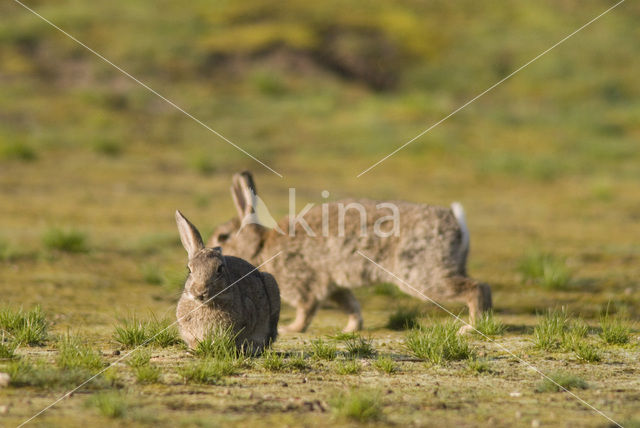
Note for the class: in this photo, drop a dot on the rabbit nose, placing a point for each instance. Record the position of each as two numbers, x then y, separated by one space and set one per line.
202 296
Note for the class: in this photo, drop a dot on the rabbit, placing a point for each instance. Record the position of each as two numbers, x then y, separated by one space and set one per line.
223 291
428 252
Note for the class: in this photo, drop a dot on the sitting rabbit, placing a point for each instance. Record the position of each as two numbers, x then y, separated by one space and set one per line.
223 291
428 252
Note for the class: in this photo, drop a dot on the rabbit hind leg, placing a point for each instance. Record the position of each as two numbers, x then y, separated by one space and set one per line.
304 314
345 299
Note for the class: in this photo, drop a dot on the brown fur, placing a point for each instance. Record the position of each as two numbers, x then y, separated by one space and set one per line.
223 291
429 253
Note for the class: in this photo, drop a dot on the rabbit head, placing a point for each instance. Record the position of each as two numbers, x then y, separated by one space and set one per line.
207 270
242 235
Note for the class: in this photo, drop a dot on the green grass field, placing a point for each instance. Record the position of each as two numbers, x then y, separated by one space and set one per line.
93 166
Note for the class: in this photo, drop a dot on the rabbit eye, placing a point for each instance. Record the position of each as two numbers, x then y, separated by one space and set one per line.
223 237
220 269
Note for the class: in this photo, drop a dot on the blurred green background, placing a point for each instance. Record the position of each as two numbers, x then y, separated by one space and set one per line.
546 163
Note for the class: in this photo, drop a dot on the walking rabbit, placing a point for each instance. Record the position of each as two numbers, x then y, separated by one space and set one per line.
222 292
426 248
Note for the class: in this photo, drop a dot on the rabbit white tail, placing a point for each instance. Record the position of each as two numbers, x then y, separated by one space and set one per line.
458 212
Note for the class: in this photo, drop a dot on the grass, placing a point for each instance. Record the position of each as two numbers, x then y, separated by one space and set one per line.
65 240
7 349
206 371
561 379
360 406
348 367
546 270
219 343
147 374
140 358
298 362
163 332
438 343
268 83
550 332
7 253
385 364
152 275
478 366
273 361
133 331
110 404
108 147
144 371
319 124
25 328
42 375
323 350
202 163
16 150
74 354
358 346
614 330
489 325
557 331
587 352
403 319
387 289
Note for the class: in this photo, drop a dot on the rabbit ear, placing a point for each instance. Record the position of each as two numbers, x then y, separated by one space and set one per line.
189 235
243 191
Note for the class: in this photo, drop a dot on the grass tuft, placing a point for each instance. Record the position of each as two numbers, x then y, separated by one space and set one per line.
587 352
139 358
358 406
219 343
66 240
110 404
358 346
478 366
108 147
131 332
403 319
385 365
163 332
202 163
438 343
387 289
18 151
147 374
615 330
556 331
546 270
134 332
74 354
348 367
42 375
268 83
560 379
298 362
273 361
151 274
207 371
26 328
489 325
550 332
321 350
8 252
144 371
7 349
